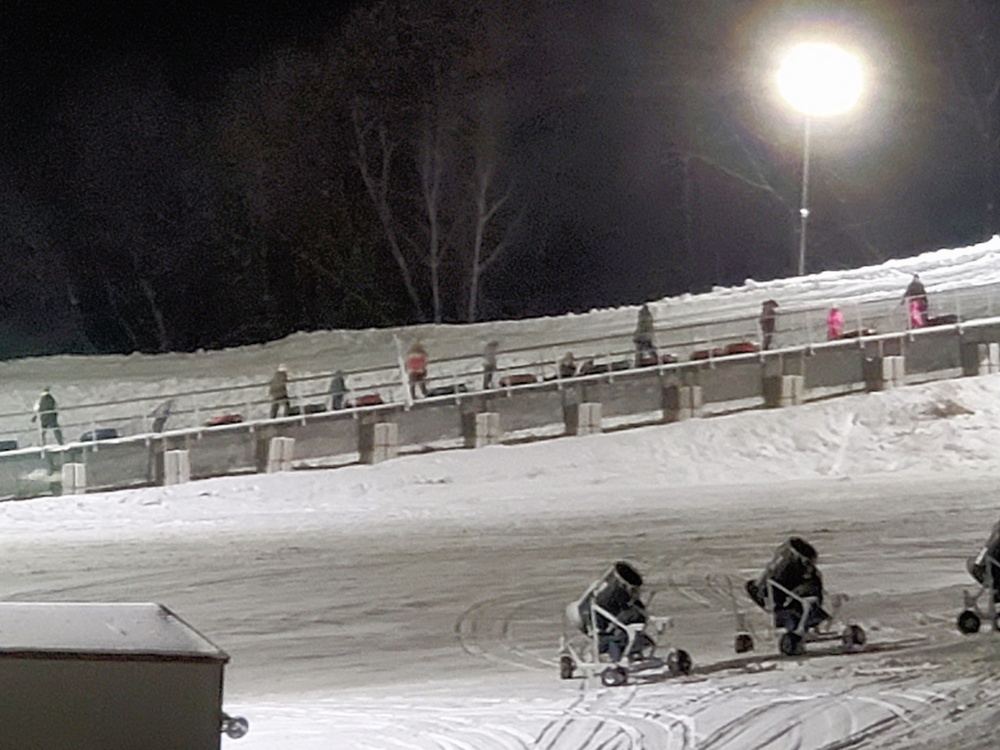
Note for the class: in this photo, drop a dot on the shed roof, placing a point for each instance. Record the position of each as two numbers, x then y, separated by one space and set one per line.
122 630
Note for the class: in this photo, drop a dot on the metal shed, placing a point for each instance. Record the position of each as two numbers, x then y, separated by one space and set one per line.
95 676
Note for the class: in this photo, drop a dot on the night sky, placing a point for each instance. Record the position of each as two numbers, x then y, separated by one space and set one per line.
166 168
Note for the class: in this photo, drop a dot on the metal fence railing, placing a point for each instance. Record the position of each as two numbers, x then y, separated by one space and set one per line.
796 326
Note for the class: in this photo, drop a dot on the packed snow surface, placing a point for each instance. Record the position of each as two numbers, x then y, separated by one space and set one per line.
418 603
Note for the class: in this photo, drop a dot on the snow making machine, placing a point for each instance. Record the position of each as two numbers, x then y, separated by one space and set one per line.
791 590
985 568
610 633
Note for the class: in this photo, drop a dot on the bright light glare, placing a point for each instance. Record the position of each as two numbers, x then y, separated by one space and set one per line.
820 79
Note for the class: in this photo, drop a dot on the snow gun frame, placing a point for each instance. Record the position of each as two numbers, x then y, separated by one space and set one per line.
972 616
792 640
581 654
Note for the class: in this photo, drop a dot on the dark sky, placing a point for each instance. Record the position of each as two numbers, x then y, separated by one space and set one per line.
609 102
46 44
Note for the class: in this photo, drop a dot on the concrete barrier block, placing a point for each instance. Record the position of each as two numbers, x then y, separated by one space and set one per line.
480 429
980 358
279 454
176 467
897 368
785 390
882 373
681 402
74 479
589 418
583 418
380 442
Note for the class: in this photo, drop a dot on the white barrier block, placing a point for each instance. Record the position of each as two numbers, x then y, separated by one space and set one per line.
784 390
487 430
280 452
893 371
74 479
493 431
991 364
682 402
590 418
386 441
176 467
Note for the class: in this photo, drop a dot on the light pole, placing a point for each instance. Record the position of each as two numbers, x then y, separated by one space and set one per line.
818 79
804 200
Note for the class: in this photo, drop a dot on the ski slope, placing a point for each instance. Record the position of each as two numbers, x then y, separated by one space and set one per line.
418 603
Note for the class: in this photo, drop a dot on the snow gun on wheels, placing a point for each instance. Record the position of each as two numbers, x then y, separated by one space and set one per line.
614 635
791 590
985 568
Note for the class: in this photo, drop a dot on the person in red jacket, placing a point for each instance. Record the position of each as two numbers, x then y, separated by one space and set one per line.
416 368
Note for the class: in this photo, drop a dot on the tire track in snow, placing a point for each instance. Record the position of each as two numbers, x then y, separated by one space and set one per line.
486 630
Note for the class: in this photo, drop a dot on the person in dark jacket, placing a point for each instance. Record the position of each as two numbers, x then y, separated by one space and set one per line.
768 314
645 346
490 363
278 390
47 414
161 414
567 366
338 390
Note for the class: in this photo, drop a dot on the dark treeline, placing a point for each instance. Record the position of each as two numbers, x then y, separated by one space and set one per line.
458 161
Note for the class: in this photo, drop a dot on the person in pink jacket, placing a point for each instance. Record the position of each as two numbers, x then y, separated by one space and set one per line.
834 324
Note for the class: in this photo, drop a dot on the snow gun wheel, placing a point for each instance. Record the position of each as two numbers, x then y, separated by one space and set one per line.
679 662
968 622
790 644
854 636
234 727
744 643
566 667
614 676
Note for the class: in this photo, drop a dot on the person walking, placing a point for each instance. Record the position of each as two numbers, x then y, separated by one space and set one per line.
338 390
416 369
645 347
567 366
915 298
161 414
489 363
768 314
277 388
47 415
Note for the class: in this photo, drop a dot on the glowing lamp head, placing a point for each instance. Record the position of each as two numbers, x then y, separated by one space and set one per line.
820 79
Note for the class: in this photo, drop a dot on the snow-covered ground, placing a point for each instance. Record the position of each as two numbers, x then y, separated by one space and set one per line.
418 603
